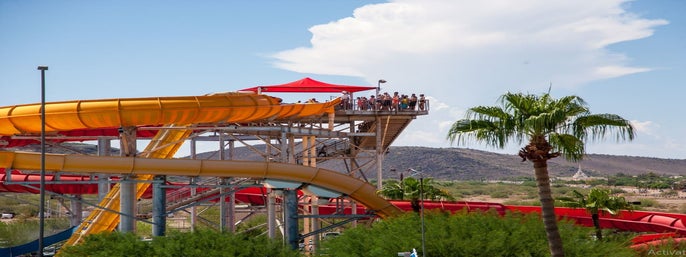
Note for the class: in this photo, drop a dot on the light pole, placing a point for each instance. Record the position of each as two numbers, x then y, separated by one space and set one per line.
41 209
378 86
415 173
379 138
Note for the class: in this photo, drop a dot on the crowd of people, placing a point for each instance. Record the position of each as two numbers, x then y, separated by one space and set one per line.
384 102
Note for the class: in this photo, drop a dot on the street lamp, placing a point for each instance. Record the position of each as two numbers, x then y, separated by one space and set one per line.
378 86
41 209
414 173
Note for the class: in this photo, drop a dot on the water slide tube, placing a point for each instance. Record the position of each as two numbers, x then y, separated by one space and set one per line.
122 112
358 190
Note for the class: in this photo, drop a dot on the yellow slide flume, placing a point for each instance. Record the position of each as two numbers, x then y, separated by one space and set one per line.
357 189
121 112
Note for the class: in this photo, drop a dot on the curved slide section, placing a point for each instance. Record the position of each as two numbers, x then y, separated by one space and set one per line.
358 190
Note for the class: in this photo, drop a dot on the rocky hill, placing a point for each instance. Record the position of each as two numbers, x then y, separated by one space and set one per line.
470 164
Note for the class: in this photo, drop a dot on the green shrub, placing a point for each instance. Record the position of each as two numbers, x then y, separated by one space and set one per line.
500 194
199 243
529 184
469 234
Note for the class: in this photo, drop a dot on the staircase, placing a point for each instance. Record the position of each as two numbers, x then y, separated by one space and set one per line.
391 127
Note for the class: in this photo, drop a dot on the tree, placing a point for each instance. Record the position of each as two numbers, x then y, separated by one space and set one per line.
598 200
553 127
409 189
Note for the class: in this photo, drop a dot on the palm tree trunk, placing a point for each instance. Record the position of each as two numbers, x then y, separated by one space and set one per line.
596 224
548 208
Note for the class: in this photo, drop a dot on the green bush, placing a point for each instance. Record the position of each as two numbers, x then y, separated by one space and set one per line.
500 194
469 234
199 243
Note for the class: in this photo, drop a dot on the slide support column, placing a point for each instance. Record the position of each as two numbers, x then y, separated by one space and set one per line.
159 199
291 217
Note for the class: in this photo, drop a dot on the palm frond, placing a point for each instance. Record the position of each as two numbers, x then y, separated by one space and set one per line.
598 125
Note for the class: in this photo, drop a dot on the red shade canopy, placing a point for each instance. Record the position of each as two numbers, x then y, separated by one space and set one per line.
308 85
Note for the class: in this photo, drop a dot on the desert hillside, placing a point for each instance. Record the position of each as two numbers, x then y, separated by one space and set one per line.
470 164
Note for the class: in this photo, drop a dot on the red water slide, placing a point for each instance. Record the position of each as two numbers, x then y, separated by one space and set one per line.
33 180
660 227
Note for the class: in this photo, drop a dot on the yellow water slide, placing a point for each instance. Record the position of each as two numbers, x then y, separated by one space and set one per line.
168 111
122 112
357 189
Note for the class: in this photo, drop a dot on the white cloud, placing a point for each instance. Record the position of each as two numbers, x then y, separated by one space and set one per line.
467 53
617 71
645 127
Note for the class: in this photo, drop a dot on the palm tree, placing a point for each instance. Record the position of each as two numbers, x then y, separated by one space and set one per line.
553 127
409 189
599 200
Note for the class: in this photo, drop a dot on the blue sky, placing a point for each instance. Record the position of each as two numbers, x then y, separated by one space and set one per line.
622 57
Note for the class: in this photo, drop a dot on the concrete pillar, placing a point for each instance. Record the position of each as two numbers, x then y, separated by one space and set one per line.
291 149
284 147
104 147
353 211
194 190
232 149
290 198
271 214
313 151
127 206
306 151
159 200
222 205
194 210
231 210
315 221
127 185
77 211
